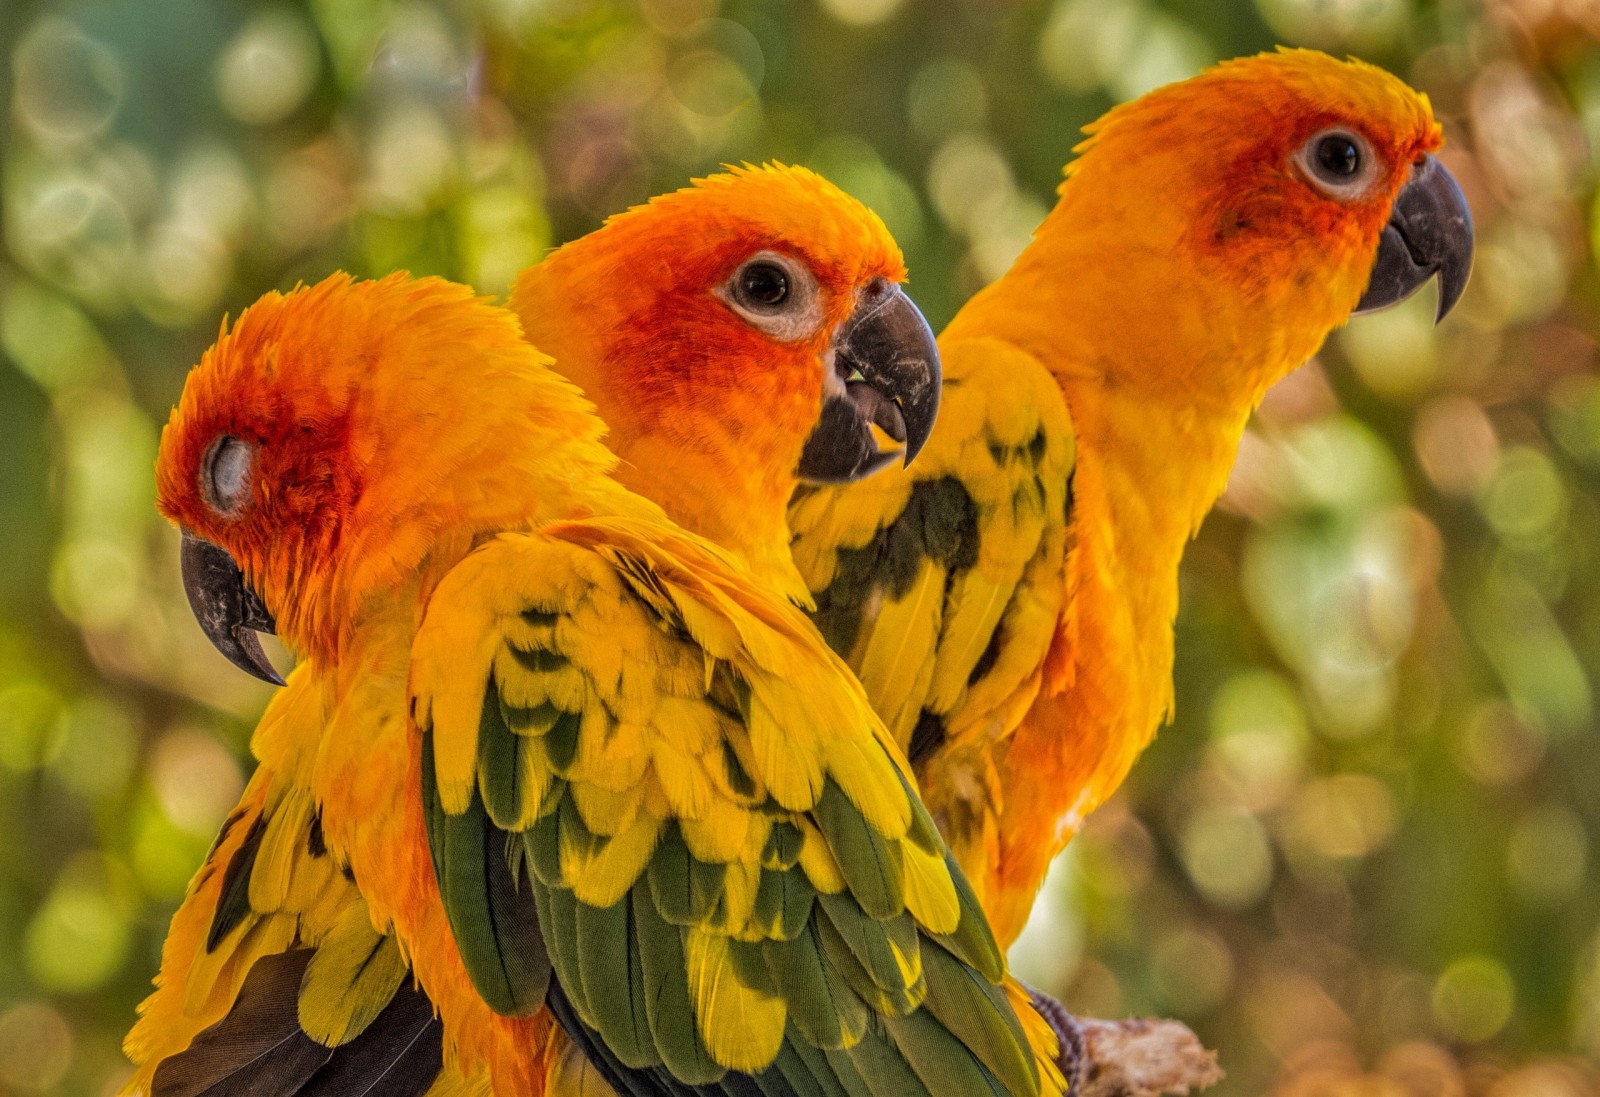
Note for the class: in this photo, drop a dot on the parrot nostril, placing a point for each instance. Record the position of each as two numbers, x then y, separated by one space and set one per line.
875 289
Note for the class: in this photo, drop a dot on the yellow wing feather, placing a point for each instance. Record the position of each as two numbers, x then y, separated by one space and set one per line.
707 770
943 583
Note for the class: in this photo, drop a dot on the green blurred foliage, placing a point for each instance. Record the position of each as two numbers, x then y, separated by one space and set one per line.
1360 861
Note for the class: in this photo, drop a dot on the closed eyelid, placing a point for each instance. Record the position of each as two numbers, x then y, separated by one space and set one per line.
225 474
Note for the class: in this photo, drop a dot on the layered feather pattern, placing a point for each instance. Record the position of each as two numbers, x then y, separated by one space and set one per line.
661 784
1009 600
941 582
274 980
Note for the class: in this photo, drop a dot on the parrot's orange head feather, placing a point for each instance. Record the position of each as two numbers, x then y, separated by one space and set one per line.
1245 157
650 297
1258 190
704 324
335 434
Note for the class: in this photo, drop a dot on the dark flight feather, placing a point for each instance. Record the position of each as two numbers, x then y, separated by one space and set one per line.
234 901
258 1049
400 1054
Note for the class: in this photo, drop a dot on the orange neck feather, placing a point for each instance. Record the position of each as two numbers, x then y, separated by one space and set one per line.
703 419
708 416
1161 362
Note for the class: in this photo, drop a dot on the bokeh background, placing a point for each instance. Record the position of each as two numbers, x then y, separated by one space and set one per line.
1361 861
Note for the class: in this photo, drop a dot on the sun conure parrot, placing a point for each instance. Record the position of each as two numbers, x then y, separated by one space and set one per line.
693 428
332 785
1009 601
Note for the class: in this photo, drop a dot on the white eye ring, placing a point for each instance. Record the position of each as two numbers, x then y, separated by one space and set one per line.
776 294
225 474
1338 162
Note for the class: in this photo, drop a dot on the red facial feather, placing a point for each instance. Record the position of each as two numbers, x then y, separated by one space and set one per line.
709 412
375 412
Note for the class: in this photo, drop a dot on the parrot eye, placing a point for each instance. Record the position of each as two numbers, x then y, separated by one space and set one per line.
776 294
1338 162
1338 156
225 474
763 285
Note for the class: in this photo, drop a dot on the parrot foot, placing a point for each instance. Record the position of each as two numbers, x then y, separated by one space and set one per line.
1069 1034
1137 1057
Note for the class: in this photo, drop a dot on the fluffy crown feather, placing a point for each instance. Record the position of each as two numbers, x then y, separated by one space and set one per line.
374 413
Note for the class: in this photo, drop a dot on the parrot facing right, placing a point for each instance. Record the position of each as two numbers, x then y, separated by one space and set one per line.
696 428
1009 601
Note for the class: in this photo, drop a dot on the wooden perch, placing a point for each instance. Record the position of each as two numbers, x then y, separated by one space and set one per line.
1133 1058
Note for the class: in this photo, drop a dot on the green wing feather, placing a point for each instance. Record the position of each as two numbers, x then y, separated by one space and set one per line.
608 821
492 916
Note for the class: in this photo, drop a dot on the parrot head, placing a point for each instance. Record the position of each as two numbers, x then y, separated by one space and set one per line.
1254 208
325 446
755 317
1339 152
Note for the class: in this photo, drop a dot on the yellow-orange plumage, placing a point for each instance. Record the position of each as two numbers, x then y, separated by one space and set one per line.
499 637
1009 601
379 511
703 430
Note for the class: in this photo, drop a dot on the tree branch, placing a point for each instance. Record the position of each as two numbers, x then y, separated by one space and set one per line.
1132 1058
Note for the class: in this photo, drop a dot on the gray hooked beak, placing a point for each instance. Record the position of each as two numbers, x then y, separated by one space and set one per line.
229 612
886 355
1429 232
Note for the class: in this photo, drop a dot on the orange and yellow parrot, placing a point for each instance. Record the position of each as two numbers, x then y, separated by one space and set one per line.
1008 602
692 427
537 722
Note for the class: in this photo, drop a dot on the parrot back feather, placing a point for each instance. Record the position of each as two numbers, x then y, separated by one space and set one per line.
694 944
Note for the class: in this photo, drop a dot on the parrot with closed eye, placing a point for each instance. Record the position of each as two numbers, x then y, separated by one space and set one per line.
287 883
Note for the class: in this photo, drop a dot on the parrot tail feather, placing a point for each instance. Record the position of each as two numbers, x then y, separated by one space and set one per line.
259 1047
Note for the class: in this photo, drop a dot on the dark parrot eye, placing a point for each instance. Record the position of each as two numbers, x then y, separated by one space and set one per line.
225 474
1339 156
763 285
1338 162
775 293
